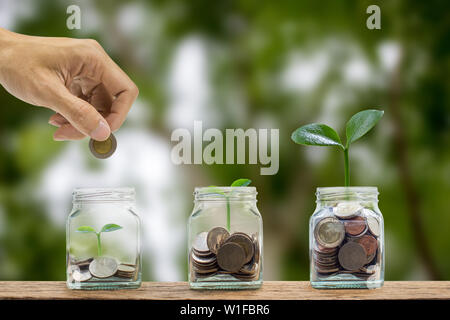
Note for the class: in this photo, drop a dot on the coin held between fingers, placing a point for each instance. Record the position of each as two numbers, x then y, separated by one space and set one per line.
103 149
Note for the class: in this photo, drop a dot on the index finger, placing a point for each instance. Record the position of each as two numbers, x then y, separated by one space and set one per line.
124 91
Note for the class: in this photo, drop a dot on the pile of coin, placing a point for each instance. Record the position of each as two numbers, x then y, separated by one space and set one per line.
126 271
218 252
99 268
79 270
347 241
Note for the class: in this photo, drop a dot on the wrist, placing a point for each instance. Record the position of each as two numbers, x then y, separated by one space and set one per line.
7 39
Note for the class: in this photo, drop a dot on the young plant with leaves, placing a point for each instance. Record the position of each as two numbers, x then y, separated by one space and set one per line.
316 134
106 228
236 183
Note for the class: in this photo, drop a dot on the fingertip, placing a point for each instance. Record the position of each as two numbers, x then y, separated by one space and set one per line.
57 120
114 121
58 135
54 123
102 132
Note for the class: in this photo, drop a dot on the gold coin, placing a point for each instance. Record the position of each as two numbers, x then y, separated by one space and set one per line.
103 149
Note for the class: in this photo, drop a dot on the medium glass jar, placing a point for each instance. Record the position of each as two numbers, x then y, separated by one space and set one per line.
346 239
103 240
225 242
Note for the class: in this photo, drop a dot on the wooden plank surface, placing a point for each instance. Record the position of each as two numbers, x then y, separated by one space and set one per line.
278 290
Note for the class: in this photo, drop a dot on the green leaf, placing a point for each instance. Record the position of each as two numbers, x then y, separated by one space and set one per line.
241 183
215 189
86 229
110 227
361 123
316 134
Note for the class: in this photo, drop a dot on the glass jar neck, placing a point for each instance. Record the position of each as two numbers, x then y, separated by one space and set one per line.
225 193
360 194
103 195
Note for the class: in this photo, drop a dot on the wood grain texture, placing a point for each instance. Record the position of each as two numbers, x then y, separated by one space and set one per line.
271 290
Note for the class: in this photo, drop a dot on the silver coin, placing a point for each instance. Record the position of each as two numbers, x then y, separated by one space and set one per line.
70 270
103 267
202 260
200 243
81 262
231 257
216 237
199 268
371 257
125 274
256 247
352 256
245 277
347 209
81 275
374 225
205 275
249 269
72 267
207 270
324 251
126 268
329 232
369 270
331 270
245 242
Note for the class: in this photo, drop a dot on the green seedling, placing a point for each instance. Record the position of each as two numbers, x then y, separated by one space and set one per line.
106 228
236 183
316 134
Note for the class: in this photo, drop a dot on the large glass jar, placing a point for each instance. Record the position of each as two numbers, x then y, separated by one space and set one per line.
225 242
346 239
103 240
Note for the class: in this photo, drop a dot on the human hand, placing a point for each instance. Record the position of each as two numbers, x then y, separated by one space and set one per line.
75 78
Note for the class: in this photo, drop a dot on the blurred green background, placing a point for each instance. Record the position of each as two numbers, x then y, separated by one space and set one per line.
242 64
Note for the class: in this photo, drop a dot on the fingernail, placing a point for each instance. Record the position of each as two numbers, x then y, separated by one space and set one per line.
54 123
59 139
102 132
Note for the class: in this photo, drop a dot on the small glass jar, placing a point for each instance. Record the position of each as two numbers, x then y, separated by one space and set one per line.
346 239
225 242
103 240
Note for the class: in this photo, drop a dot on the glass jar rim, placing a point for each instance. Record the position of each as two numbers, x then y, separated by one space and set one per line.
347 189
104 194
347 193
219 193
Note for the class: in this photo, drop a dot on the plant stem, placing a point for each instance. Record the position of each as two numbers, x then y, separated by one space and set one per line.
99 245
228 214
347 174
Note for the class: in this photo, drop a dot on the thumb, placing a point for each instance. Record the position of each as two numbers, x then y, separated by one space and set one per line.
83 116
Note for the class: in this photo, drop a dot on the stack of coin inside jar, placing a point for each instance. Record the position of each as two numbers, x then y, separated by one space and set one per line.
100 269
218 252
347 242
